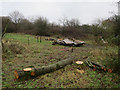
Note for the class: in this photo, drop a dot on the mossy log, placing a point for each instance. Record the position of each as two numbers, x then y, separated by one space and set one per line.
42 70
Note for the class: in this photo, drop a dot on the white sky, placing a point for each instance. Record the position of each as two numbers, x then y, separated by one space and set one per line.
87 11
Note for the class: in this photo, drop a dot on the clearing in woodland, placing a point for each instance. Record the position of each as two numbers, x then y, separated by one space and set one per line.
19 54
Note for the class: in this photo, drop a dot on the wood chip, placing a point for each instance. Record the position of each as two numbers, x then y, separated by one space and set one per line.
16 74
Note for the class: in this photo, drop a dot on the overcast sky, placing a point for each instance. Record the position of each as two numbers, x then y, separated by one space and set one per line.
87 11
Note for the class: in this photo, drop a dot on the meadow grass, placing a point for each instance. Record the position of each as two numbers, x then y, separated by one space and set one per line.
38 54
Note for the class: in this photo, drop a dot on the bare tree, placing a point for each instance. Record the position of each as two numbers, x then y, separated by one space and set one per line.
16 17
70 27
69 23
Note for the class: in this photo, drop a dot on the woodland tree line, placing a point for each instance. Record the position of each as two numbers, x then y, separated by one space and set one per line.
108 29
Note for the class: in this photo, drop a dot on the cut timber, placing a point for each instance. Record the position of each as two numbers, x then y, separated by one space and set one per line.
42 70
67 41
96 66
27 69
79 62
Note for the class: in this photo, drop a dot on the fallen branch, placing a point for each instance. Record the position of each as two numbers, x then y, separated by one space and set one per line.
42 70
96 66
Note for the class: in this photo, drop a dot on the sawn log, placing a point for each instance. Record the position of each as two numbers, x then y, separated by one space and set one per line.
42 70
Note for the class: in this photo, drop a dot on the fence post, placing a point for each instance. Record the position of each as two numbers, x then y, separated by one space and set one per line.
40 39
71 49
28 40
37 38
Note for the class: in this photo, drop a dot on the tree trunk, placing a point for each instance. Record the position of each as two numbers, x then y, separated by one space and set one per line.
42 70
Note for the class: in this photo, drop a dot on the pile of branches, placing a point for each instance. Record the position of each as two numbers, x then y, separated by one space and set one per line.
97 67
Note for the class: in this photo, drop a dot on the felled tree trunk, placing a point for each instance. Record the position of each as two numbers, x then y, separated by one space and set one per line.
43 69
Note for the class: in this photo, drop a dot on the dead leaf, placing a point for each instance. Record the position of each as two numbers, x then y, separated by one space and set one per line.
80 71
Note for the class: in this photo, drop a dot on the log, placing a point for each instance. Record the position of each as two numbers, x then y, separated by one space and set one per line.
42 70
96 66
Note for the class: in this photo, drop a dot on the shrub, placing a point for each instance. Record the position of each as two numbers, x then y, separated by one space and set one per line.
115 40
112 60
10 49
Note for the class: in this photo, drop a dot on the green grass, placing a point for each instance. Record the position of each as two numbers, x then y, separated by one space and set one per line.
44 53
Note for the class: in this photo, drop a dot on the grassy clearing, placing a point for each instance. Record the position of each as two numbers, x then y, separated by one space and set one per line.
44 53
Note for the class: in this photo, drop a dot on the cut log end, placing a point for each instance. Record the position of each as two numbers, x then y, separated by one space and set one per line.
32 73
16 74
27 69
79 62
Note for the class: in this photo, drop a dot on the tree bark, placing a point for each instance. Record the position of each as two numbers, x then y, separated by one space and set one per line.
43 69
